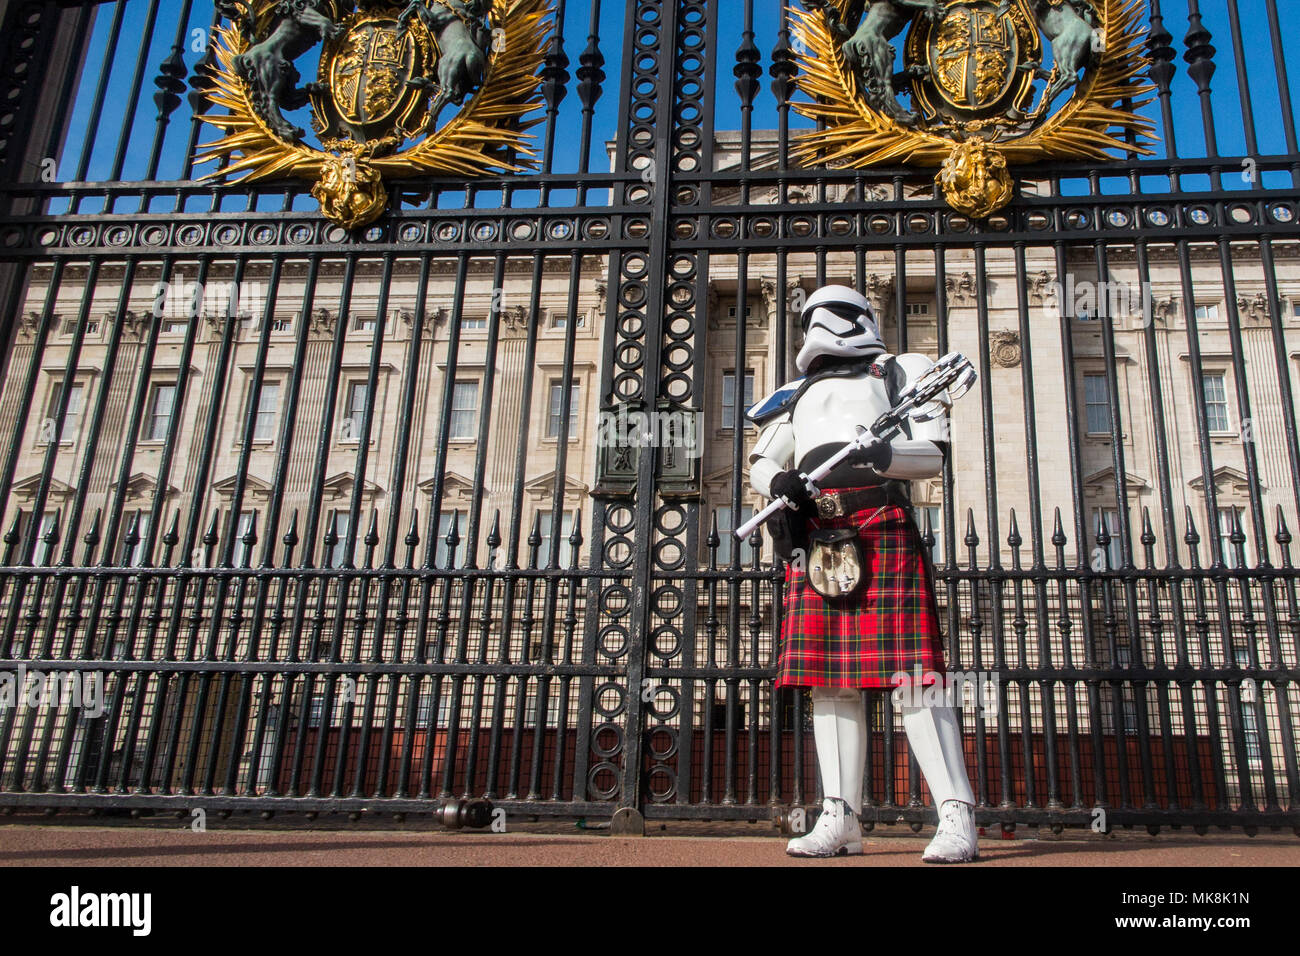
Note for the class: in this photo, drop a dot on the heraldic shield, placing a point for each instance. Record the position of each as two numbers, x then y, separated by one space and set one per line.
425 87
991 82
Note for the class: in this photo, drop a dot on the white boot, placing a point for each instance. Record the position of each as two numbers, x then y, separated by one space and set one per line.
935 739
955 841
839 732
837 833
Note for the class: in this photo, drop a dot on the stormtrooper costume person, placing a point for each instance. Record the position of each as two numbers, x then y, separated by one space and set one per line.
839 637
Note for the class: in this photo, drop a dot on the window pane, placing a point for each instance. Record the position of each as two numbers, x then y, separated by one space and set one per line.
71 416
358 399
160 412
555 408
464 409
441 552
729 399
1097 403
268 400
726 538
135 557
1216 403
339 549
544 550
1114 548
44 551
1226 546
243 553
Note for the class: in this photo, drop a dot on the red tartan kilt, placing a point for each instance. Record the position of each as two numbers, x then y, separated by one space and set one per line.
890 625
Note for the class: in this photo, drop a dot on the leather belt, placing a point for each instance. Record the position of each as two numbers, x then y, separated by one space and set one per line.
833 504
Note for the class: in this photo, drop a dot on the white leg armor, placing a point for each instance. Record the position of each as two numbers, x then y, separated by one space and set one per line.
935 739
839 732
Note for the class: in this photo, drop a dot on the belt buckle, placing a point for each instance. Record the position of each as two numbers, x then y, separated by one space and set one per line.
829 505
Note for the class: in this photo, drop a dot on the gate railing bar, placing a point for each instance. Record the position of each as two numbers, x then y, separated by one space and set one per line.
512 555
1123 516
371 539
1283 86
590 77
1200 67
1082 567
219 383
97 104
167 99
133 98
325 434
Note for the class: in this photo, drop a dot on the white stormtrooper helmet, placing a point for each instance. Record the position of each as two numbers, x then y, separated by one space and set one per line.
837 321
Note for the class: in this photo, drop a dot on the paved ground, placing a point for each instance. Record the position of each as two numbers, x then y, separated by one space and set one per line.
556 845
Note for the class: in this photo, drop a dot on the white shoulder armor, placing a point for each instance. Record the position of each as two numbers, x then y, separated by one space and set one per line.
772 405
914 365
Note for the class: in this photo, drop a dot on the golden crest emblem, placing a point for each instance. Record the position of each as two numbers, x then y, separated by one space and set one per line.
988 83
431 86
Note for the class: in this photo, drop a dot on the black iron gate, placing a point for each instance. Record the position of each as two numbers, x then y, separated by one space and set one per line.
303 520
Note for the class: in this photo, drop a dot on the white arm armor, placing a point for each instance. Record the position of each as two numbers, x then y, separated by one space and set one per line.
773 453
922 455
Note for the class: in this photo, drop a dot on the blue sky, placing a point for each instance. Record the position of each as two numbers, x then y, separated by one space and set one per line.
1191 141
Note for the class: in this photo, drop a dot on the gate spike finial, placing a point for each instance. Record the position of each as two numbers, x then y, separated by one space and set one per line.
52 533
210 536
1160 50
1058 531
1237 536
555 74
534 539
590 74
170 84
132 536
747 71
1103 532
783 68
173 533
1148 533
92 535
1200 52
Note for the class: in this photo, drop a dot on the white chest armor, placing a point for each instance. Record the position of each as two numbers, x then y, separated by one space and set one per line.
833 408
830 410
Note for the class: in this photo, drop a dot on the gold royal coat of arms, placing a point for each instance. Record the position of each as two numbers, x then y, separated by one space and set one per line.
432 86
991 82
